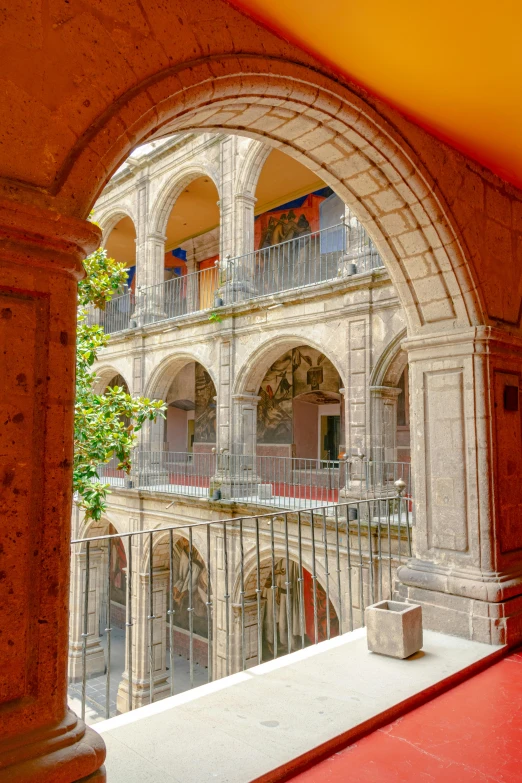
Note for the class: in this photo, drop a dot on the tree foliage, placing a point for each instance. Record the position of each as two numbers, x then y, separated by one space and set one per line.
105 425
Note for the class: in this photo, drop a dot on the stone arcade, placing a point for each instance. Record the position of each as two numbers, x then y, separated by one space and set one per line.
447 230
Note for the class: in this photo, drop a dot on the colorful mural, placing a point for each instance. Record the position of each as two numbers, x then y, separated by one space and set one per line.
303 370
185 589
274 410
205 407
118 570
295 218
277 613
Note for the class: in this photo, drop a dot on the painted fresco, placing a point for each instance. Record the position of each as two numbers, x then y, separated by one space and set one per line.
302 371
118 572
294 219
205 407
274 410
277 613
313 372
190 593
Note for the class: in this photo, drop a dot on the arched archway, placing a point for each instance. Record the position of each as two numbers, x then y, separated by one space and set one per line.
265 352
176 580
367 165
179 450
54 169
109 375
98 603
166 199
119 240
291 610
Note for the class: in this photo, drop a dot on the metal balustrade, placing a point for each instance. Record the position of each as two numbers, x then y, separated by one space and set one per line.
117 315
330 254
283 482
205 600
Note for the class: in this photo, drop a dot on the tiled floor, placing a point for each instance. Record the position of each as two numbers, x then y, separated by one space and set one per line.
96 686
471 734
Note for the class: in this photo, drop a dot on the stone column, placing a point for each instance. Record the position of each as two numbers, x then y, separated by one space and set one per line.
150 290
40 263
466 569
95 656
141 642
244 204
242 479
383 447
243 264
357 398
192 290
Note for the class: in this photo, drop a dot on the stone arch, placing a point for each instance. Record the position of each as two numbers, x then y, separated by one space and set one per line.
105 374
265 553
169 194
91 528
250 375
332 131
161 543
391 363
111 217
252 166
163 374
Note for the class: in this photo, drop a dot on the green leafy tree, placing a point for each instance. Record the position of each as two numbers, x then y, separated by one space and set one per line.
105 425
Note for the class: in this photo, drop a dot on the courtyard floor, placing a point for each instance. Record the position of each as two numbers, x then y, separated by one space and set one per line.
96 686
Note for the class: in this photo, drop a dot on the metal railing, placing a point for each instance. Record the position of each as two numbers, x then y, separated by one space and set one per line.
202 601
117 315
333 253
329 254
180 296
284 482
109 473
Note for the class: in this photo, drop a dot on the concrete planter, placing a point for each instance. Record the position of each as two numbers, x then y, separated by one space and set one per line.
394 629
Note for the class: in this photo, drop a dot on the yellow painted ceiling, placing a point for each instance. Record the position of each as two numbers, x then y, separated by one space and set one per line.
121 242
282 179
453 66
195 211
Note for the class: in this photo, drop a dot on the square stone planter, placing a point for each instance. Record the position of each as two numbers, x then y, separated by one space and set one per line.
394 629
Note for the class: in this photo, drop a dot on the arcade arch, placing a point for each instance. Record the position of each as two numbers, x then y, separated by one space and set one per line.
189 391
359 156
465 546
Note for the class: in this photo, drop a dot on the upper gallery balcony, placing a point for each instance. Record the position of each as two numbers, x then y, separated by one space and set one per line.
328 255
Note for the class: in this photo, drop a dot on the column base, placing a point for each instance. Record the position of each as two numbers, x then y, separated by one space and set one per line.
240 487
482 607
94 662
65 753
141 692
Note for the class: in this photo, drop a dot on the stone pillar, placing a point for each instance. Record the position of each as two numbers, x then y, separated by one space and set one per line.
236 230
150 290
357 398
141 642
383 447
241 479
466 569
40 263
244 204
193 282
95 656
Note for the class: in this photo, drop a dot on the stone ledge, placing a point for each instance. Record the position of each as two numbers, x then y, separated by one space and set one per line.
274 719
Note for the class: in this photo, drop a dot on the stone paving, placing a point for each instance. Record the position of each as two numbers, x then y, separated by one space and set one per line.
96 686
